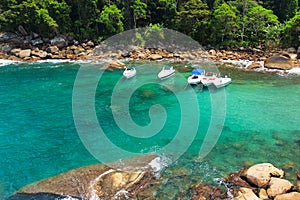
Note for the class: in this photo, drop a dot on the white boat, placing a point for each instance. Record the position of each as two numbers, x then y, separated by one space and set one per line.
166 72
222 82
129 72
196 77
211 78
208 78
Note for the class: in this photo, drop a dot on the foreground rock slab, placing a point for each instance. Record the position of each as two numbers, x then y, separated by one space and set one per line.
94 182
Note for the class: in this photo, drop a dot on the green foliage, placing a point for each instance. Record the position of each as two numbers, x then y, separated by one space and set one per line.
192 19
216 22
226 24
257 21
111 18
139 11
284 9
291 32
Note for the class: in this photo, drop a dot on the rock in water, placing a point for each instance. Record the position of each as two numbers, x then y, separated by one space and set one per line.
260 174
278 62
278 186
124 179
288 196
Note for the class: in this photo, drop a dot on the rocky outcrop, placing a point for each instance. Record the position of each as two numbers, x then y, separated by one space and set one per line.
155 57
288 196
255 65
24 53
96 181
263 182
245 194
260 174
279 62
278 186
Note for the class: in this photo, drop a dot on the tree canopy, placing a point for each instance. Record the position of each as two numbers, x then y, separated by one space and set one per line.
268 23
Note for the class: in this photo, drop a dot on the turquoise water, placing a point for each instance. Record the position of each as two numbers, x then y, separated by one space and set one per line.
38 137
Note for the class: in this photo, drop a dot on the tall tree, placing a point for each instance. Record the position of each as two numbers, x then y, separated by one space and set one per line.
162 12
192 19
85 14
284 9
111 18
292 32
258 19
226 24
139 11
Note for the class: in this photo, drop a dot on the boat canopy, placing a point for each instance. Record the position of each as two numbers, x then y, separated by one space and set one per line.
198 71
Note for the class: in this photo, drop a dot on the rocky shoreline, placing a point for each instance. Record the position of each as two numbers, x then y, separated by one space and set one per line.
15 48
140 178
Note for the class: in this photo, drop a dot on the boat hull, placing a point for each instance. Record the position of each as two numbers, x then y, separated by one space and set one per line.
166 73
194 80
129 73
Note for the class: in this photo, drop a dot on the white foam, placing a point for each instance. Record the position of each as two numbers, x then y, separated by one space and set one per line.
295 70
4 62
159 163
66 198
240 63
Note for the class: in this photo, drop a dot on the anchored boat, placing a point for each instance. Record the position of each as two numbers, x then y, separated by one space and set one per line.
166 72
196 77
129 72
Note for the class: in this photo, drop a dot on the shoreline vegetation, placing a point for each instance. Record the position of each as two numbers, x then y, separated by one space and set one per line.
140 178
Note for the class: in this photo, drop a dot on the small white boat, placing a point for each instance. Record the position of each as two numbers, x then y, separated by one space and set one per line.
166 72
211 78
129 72
208 78
196 77
222 82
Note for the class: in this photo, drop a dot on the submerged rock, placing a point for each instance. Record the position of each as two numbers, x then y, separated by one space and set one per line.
203 191
97 181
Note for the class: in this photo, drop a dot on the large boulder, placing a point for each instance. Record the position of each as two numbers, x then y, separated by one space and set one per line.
288 196
260 174
6 37
155 57
95 181
59 41
279 62
116 64
254 65
278 186
52 49
25 53
39 53
246 194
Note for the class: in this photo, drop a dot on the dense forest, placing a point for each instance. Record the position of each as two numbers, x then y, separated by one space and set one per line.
247 23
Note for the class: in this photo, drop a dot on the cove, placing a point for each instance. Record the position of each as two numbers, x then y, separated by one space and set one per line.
38 137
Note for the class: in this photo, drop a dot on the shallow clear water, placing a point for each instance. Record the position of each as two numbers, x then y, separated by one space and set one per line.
38 137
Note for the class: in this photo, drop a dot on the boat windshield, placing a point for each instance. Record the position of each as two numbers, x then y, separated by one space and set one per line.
130 67
168 67
210 74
